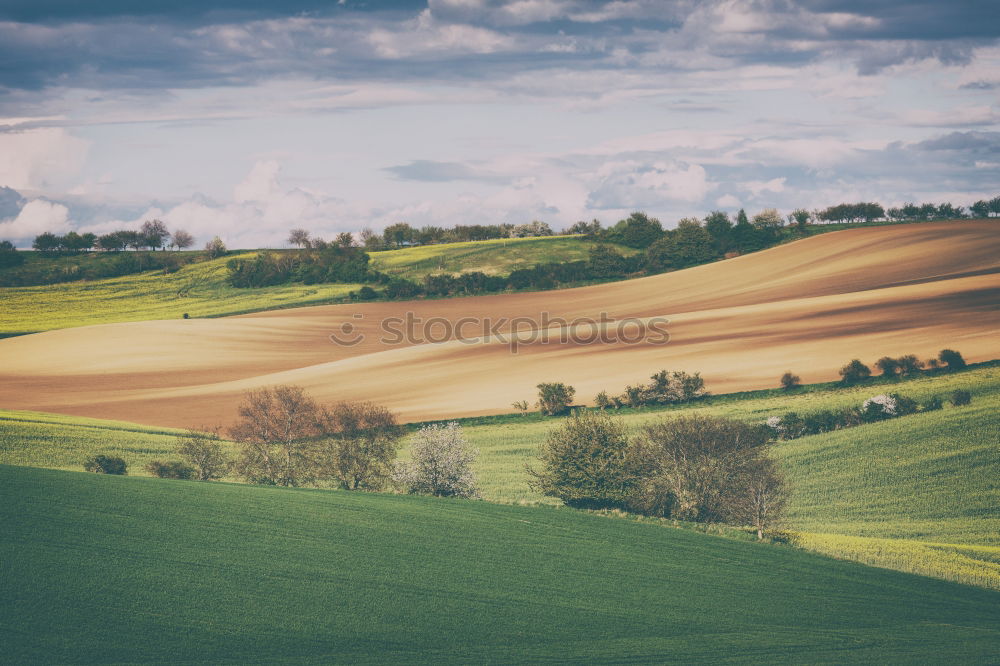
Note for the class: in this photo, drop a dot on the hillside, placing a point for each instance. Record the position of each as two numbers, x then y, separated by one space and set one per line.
917 494
202 290
808 306
115 569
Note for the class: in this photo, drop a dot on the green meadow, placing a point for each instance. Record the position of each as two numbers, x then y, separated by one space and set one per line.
121 570
920 493
202 290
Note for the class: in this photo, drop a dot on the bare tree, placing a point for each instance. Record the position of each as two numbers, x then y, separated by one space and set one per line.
182 239
278 435
299 237
154 233
360 442
204 452
760 500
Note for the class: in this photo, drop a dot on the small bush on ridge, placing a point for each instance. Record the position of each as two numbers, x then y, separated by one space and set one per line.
106 465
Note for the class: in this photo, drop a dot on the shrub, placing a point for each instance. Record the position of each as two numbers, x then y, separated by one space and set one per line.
694 467
790 381
904 404
933 403
602 401
366 293
854 372
960 397
952 359
215 248
888 366
555 398
205 454
173 469
359 446
442 463
106 465
587 463
878 407
909 365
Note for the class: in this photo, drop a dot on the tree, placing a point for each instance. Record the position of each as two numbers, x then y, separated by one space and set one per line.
698 467
360 442
637 230
299 237
759 500
790 381
689 244
182 239
154 234
719 227
588 463
46 243
769 218
345 239
399 234
555 398
854 372
215 248
113 242
888 366
9 256
603 261
205 454
800 218
909 365
952 359
371 240
441 465
981 208
277 434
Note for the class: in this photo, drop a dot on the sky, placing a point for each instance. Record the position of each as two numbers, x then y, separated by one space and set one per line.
246 118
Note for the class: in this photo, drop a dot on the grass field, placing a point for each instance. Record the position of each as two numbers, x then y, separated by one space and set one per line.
113 569
920 493
202 289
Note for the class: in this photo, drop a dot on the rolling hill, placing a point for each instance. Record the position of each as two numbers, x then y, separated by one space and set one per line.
118 569
202 289
808 306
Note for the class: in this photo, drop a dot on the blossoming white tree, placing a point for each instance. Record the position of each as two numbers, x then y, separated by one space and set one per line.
441 465
884 402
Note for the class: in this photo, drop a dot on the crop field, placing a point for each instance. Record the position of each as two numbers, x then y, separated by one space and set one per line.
154 570
202 290
919 493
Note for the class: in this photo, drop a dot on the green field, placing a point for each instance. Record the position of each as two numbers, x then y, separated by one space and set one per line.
920 493
202 289
117 569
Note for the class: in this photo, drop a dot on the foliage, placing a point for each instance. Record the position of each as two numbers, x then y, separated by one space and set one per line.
790 381
360 441
952 359
854 372
555 398
173 469
102 464
215 248
638 230
206 454
441 463
587 462
960 397
9 256
664 388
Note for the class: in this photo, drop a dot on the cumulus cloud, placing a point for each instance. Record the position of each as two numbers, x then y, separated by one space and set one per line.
619 185
36 217
41 158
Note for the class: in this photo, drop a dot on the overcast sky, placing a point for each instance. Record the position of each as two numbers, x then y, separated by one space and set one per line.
244 118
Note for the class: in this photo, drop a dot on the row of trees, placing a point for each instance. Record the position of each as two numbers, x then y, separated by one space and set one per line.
153 235
326 263
696 468
856 371
403 235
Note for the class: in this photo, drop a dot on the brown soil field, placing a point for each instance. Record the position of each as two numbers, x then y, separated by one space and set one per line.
808 306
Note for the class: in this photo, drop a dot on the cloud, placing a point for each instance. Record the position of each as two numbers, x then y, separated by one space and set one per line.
621 185
756 187
41 158
36 217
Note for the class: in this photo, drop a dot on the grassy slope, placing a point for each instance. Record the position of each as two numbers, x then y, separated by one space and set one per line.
919 493
114 569
202 290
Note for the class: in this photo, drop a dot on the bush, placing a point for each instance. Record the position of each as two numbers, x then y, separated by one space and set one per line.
442 463
879 407
205 454
587 463
170 470
960 397
933 403
888 366
854 372
909 365
696 467
106 465
952 359
602 401
790 381
555 398
366 293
